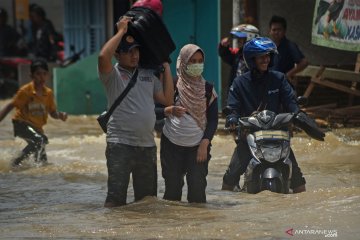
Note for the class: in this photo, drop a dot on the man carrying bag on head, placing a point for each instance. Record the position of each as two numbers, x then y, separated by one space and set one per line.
130 141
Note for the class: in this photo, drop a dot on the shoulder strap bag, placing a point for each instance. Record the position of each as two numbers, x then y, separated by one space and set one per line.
104 117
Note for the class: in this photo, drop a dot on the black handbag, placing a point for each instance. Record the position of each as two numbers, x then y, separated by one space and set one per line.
104 117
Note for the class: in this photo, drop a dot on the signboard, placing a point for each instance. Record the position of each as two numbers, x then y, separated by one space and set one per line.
22 9
336 24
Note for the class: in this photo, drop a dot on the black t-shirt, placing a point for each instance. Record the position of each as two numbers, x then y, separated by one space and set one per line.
41 45
289 54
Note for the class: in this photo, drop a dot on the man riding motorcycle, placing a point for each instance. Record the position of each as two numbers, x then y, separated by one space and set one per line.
258 89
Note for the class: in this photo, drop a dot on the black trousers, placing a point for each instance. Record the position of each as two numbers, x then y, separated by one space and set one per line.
35 139
177 162
241 158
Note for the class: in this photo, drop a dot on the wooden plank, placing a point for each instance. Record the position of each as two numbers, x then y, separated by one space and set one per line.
345 115
315 75
357 107
348 110
342 75
309 71
331 73
354 84
309 89
314 108
351 97
336 86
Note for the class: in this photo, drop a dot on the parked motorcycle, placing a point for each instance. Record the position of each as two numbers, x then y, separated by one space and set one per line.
268 137
74 57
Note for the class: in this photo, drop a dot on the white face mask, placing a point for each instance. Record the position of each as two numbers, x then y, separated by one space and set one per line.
194 70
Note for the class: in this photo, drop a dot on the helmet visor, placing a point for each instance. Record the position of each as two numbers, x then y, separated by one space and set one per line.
239 34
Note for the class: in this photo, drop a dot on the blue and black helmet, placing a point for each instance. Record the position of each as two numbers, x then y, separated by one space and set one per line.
257 47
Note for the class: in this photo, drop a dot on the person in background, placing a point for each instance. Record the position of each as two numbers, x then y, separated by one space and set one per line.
290 59
234 56
44 36
258 89
130 141
33 102
9 37
189 128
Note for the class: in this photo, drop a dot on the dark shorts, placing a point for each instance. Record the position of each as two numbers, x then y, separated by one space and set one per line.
123 160
35 139
29 133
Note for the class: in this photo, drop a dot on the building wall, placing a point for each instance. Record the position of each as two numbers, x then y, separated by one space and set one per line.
77 91
196 21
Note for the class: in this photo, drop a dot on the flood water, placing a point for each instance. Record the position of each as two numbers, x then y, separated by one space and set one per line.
65 198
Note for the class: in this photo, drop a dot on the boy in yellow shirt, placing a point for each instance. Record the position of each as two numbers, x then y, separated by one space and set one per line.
33 102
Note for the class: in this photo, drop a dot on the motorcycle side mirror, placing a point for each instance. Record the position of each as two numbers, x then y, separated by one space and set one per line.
302 101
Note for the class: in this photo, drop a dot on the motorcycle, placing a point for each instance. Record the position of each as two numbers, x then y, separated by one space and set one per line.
74 57
268 138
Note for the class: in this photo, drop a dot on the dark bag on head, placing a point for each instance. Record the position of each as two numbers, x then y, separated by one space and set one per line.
104 117
149 30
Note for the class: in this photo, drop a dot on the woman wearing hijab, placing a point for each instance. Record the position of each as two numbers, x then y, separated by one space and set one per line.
189 128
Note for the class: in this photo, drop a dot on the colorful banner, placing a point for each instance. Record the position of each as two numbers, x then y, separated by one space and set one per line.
336 24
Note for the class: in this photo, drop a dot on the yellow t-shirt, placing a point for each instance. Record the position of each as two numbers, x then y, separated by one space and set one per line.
31 108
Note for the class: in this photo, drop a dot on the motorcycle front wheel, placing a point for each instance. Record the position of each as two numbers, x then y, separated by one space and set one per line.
273 185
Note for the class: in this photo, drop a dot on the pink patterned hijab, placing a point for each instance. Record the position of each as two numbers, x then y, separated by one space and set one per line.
191 89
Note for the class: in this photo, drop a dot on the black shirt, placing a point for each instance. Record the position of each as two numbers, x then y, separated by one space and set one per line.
289 54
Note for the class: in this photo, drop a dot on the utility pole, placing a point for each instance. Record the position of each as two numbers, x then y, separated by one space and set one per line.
236 12
236 17
244 11
239 7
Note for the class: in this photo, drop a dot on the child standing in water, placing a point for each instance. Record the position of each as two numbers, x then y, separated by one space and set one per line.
33 102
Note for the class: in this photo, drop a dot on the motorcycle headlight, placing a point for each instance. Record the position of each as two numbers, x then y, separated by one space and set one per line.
271 153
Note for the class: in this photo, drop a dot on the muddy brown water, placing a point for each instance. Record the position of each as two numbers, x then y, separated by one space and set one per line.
65 198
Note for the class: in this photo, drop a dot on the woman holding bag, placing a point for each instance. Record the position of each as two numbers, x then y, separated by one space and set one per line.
189 128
